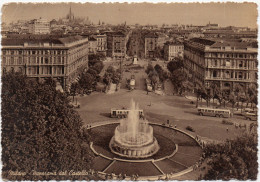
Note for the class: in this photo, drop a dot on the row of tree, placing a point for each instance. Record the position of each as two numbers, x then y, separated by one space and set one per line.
177 76
112 75
239 94
40 132
88 79
156 74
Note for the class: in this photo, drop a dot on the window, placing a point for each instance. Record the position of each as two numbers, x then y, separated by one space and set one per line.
240 64
227 74
214 73
20 61
12 61
227 63
240 75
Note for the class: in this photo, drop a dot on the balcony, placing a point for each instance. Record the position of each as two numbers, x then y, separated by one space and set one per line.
231 68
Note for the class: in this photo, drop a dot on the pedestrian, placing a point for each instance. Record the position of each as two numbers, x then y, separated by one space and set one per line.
227 129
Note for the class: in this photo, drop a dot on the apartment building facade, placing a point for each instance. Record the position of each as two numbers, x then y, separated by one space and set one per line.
173 50
39 26
62 59
150 45
116 45
225 63
92 45
102 44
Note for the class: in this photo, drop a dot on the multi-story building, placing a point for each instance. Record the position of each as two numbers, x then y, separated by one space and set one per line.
173 50
62 59
102 44
150 45
39 26
92 47
225 63
116 45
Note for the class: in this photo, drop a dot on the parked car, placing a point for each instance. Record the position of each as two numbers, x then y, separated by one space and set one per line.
251 115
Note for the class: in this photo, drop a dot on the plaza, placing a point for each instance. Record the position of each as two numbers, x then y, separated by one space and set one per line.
95 112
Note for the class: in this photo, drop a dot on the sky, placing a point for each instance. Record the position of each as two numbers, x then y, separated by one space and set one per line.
224 14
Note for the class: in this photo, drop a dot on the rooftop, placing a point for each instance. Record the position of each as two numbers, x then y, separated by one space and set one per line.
152 35
19 41
204 42
216 43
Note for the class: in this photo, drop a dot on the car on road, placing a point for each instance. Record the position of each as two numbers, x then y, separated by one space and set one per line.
251 115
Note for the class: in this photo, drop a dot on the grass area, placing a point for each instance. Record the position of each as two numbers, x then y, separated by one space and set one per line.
166 137
142 169
169 166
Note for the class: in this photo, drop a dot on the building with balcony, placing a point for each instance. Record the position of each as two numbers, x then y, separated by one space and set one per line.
173 50
62 59
225 63
116 45
39 26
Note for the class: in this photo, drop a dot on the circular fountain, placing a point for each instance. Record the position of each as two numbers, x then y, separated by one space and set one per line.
134 136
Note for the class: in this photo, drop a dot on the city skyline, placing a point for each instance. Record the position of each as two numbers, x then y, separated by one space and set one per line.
224 14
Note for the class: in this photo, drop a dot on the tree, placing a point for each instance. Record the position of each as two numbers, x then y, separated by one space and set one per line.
40 132
232 99
153 76
178 78
162 74
234 159
74 89
87 81
149 69
175 64
112 76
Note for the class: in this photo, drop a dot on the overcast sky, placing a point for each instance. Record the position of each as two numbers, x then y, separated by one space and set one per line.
225 14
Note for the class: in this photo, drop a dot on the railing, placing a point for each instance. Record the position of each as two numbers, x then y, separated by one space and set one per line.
229 67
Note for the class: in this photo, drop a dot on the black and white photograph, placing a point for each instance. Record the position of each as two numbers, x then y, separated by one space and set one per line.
129 91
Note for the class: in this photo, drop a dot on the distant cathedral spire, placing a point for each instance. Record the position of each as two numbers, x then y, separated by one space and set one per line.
70 15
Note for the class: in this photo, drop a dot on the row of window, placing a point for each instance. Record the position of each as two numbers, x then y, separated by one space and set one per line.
233 63
33 52
231 55
33 60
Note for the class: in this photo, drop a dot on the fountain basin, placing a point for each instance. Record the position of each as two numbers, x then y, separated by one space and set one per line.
134 151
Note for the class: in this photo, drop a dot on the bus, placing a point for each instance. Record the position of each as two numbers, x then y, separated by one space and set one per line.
222 113
122 113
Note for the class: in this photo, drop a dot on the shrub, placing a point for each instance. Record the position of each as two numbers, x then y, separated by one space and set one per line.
189 128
